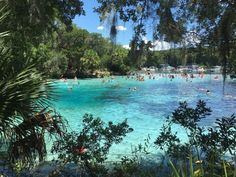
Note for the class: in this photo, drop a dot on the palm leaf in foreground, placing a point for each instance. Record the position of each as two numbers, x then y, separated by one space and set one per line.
25 96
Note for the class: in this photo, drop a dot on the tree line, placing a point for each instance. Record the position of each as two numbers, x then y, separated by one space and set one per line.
78 53
57 47
212 22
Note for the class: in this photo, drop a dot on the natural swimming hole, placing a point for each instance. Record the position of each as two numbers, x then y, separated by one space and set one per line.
145 104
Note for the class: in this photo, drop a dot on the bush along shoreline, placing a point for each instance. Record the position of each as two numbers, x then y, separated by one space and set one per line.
85 153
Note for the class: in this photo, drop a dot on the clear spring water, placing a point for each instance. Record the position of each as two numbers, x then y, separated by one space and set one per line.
145 108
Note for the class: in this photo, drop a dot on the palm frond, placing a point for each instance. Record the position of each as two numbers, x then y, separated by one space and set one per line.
25 95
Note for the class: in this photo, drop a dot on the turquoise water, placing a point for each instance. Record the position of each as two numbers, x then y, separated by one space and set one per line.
145 108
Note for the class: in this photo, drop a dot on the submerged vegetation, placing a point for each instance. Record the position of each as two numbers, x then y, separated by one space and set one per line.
38 42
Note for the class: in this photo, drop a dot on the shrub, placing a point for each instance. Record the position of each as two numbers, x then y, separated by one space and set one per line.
89 148
207 145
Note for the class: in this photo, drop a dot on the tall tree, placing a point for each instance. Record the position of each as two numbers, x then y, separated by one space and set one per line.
25 93
166 24
213 20
216 22
90 61
30 21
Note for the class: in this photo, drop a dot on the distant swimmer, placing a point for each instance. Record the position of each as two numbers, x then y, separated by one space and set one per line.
65 80
216 78
229 96
204 90
70 88
132 89
171 77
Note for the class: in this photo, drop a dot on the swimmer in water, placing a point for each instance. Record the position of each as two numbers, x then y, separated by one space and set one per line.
202 89
208 92
229 96
216 78
70 88
132 89
205 90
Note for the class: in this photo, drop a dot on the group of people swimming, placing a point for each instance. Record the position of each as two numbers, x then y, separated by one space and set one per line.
152 76
71 83
149 76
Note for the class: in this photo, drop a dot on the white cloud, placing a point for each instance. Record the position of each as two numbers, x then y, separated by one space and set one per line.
121 28
100 27
191 38
126 46
144 38
161 45
157 45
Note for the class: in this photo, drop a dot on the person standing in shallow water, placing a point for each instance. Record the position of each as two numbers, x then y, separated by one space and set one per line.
76 80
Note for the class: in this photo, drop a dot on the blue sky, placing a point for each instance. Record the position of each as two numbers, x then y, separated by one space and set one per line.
91 23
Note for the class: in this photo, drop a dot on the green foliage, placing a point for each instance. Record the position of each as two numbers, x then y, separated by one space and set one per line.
56 65
89 147
98 43
137 163
40 55
72 43
212 24
90 61
118 60
179 170
24 114
31 22
197 170
19 166
24 118
220 138
208 145
184 56
87 52
189 117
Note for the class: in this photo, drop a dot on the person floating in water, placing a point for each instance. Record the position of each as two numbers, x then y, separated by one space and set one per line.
208 92
70 88
216 78
230 96
132 89
76 80
205 90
